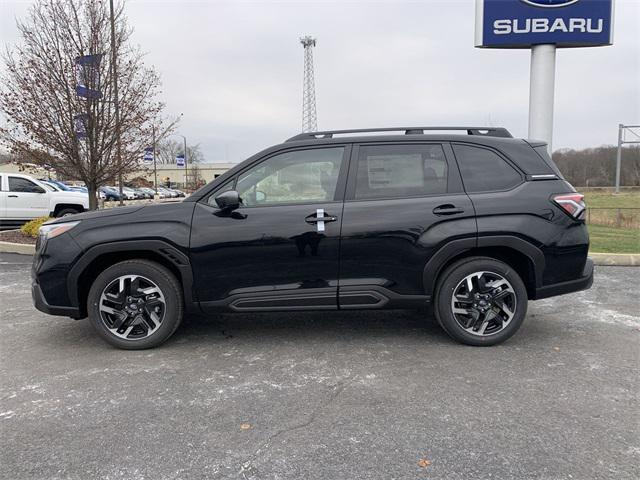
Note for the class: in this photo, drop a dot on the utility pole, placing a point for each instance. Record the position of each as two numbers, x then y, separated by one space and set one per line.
114 73
309 115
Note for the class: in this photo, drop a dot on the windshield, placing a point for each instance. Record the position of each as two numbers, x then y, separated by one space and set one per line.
60 185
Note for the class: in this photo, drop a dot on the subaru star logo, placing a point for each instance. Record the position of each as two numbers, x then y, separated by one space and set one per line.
549 3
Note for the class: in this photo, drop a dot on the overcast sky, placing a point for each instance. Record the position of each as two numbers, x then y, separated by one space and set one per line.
235 70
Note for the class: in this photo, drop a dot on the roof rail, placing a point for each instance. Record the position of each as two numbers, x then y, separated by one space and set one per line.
480 131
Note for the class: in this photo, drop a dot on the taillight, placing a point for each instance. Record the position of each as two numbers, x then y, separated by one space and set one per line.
572 203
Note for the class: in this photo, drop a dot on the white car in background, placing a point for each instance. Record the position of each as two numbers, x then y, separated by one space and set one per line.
168 193
23 198
129 193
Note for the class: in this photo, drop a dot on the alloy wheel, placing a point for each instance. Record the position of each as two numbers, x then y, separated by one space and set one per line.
483 303
132 307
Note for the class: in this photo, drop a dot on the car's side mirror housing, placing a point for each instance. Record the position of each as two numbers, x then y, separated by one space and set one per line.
229 200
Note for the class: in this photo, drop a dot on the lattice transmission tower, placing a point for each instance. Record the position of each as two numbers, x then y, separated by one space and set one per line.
309 115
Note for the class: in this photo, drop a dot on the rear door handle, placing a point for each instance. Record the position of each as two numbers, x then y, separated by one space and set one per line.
13 196
447 209
319 218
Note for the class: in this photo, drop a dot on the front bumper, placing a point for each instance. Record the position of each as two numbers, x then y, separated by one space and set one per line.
49 274
583 283
41 304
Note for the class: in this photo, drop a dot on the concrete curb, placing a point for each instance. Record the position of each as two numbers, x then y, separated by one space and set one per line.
617 259
605 259
23 248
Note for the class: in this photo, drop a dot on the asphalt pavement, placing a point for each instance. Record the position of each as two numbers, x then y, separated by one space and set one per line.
371 395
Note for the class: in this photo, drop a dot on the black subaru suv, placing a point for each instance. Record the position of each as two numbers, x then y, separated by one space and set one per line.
474 224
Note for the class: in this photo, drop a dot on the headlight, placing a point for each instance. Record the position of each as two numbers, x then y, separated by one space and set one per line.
48 231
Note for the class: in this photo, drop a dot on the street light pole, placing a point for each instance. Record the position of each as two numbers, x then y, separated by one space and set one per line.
155 168
186 177
114 71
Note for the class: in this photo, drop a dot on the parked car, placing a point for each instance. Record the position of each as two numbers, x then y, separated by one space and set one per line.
473 225
130 193
142 193
150 192
23 198
59 187
167 192
110 193
179 192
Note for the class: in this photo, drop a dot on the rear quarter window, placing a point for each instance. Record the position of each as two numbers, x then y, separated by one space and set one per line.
484 170
544 154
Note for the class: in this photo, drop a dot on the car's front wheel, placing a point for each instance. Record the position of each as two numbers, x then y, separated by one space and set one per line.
135 304
480 301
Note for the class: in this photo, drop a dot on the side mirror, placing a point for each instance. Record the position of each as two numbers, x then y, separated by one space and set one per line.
229 200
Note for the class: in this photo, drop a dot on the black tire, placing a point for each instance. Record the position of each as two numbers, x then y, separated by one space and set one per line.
452 278
166 283
67 211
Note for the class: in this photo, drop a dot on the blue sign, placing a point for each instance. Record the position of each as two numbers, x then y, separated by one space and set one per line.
88 76
180 160
148 155
563 23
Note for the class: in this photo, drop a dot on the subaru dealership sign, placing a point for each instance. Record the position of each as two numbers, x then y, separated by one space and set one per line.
563 23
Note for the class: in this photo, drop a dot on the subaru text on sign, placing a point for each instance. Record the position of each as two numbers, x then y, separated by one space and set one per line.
523 23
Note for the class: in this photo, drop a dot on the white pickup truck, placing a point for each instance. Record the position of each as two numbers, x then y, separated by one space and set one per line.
23 197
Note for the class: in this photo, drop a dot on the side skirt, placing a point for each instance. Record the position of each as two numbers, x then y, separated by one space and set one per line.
350 298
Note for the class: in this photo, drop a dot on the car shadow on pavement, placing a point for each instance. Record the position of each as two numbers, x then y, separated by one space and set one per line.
287 326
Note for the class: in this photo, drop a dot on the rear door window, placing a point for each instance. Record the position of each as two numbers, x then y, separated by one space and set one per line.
483 170
389 171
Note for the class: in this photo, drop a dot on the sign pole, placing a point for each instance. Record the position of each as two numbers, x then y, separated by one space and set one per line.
541 93
619 157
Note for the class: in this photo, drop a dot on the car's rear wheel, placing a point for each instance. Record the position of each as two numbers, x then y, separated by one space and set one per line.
480 301
135 304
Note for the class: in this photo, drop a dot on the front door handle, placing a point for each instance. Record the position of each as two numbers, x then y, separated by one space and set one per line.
447 209
13 196
319 218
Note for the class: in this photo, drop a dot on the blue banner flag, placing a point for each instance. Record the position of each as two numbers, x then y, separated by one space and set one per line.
148 155
180 160
80 125
88 76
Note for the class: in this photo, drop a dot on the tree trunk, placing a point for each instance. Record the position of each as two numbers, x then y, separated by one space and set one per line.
93 197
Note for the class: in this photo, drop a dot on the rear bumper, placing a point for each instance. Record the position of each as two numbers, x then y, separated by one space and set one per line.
41 304
583 283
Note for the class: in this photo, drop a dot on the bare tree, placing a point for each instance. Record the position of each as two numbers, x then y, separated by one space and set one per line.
168 150
39 99
595 167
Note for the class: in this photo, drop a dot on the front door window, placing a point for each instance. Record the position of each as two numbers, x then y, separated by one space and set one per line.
297 177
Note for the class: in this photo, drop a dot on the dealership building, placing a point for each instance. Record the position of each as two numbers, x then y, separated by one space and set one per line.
206 172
